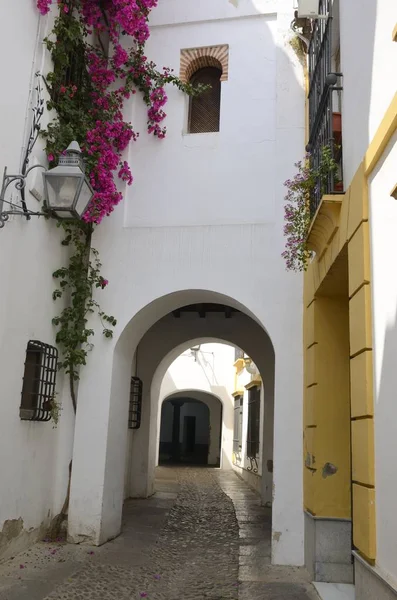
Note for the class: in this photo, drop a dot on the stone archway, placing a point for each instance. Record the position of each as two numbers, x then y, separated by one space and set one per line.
100 443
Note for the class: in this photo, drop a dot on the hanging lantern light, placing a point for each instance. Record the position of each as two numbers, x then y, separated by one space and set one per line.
66 188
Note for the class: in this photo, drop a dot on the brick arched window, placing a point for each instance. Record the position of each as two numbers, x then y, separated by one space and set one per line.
204 110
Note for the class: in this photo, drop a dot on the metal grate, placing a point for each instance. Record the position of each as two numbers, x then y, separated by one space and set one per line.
254 404
38 388
135 411
204 110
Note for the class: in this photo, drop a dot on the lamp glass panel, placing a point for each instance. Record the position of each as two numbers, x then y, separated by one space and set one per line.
62 190
83 199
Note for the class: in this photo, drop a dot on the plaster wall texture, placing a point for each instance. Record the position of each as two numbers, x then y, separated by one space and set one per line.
33 456
368 64
383 223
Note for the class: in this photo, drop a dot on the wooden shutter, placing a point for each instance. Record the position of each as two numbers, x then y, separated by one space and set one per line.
204 111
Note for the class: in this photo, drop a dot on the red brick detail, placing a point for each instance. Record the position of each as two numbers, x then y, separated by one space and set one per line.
193 59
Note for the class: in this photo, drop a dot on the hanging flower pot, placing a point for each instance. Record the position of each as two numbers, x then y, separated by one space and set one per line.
338 186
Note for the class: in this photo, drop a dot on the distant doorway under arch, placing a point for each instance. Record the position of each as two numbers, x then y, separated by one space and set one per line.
190 431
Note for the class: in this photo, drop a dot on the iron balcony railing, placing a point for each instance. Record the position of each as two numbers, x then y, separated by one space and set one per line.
324 123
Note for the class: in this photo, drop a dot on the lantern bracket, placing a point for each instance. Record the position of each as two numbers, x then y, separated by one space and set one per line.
20 183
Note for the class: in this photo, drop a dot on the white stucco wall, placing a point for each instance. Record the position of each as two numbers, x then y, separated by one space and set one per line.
212 365
33 456
383 224
244 141
368 64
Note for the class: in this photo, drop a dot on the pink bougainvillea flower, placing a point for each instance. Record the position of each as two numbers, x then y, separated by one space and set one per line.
50 158
44 6
102 283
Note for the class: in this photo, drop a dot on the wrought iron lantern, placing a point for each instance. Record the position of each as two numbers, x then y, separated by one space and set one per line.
67 190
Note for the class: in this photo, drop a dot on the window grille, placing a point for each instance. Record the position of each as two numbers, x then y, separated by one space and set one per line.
204 109
254 405
135 410
39 378
238 425
324 123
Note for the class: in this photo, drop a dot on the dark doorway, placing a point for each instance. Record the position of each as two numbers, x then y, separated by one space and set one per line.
189 434
184 432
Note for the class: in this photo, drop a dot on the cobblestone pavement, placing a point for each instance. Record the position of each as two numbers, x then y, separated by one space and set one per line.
203 536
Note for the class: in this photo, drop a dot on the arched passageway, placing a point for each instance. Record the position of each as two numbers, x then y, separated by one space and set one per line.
111 462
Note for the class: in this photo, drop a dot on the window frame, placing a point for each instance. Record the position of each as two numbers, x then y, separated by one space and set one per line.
238 418
38 382
193 99
253 423
135 404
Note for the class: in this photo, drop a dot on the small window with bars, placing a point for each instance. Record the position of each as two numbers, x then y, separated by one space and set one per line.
39 378
238 425
135 410
254 406
204 109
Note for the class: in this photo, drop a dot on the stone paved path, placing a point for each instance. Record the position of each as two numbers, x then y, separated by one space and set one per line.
203 536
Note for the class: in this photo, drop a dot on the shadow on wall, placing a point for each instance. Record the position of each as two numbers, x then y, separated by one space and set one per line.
385 418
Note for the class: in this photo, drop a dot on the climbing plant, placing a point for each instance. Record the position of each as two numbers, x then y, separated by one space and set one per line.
297 206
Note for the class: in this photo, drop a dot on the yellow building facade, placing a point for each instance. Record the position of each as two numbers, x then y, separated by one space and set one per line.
339 471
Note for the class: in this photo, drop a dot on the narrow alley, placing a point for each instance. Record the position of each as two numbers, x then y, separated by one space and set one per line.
202 535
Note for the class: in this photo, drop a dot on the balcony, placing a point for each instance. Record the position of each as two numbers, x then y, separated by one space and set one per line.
325 118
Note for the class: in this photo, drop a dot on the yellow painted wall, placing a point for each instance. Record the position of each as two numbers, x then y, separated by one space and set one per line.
327 410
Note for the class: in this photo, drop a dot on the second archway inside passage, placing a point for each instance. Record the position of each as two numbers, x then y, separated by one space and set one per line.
185 432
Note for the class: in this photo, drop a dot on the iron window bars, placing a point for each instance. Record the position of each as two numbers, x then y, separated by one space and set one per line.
322 83
238 427
254 405
135 409
38 387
